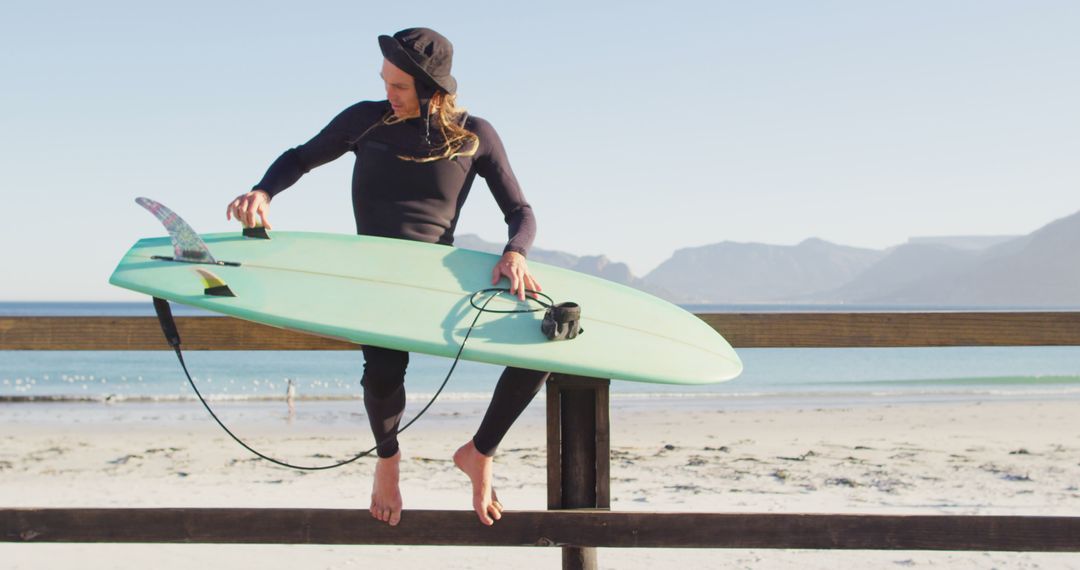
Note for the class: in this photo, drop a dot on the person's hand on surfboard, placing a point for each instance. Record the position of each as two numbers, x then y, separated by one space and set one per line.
513 267
247 207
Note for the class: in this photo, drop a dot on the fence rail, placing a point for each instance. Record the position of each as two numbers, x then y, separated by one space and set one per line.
580 528
743 330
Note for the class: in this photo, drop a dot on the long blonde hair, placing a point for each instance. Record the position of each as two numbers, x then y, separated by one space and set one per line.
457 140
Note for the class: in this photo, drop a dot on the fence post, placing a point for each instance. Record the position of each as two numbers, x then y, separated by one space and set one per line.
578 453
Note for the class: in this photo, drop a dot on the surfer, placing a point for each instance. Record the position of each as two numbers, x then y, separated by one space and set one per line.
290 398
417 154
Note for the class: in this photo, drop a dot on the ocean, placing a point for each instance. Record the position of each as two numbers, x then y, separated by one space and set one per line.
772 377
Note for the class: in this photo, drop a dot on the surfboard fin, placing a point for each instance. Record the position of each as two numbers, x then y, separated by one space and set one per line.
213 284
187 245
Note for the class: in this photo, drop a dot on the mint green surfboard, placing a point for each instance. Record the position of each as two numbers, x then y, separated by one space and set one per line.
415 296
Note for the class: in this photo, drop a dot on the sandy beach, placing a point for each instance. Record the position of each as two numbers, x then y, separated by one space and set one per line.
993 457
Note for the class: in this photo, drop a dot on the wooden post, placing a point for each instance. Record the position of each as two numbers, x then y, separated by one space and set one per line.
579 453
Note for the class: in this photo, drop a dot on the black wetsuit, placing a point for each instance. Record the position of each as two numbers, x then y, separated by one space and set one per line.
419 201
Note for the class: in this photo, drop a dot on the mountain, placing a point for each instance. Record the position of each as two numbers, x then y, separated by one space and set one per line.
1041 269
973 243
732 272
900 267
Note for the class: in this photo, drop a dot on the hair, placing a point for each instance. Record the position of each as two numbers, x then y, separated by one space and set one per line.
457 140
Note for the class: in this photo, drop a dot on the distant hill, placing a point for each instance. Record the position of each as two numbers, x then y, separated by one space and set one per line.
1041 269
731 272
899 268
973 243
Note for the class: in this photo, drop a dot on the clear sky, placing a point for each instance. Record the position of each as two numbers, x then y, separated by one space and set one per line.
635 128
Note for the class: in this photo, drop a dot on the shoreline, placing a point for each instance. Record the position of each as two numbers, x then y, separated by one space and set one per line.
456 403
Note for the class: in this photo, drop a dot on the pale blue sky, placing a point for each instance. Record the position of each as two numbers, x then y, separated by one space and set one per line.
635 128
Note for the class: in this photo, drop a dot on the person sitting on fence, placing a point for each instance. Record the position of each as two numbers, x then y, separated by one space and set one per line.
417 154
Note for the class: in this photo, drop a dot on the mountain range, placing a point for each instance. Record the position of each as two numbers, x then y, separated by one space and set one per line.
1040 269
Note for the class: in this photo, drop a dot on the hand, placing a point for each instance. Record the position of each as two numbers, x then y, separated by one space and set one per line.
246 207
513 267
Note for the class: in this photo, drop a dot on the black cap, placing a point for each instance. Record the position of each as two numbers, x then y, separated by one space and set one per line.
422 53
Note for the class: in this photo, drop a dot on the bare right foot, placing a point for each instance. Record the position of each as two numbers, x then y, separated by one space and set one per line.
385 491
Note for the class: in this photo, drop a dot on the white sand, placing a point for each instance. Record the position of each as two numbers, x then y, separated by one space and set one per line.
989 458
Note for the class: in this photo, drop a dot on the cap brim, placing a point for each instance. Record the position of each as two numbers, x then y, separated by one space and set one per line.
396 54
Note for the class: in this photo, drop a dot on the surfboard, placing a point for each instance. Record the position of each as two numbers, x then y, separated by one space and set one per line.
415 296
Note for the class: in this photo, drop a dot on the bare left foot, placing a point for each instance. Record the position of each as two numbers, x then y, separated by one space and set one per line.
478 467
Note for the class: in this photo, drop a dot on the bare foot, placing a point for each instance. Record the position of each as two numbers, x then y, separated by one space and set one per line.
478 467
385 492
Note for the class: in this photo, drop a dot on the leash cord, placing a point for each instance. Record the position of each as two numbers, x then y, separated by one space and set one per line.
169 328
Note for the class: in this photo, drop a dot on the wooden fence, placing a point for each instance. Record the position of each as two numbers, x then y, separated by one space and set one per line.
578 446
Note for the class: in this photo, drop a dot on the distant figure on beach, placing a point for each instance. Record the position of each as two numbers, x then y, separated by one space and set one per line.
417 154
290 397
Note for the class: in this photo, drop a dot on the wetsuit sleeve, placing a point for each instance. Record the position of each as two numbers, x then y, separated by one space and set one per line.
331 142
493 165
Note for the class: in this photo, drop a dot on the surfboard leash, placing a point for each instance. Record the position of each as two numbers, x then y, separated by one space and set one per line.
172 336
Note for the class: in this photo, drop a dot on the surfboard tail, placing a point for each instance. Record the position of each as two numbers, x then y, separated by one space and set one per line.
189 247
